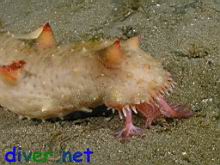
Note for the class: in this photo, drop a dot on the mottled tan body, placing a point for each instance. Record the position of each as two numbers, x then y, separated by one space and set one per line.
58 81
46 81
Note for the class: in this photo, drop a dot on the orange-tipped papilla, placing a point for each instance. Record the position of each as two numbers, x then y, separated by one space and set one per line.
46 39
11 73
112 56
133 42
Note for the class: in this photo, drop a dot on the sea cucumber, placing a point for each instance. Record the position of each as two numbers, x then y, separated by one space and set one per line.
41 79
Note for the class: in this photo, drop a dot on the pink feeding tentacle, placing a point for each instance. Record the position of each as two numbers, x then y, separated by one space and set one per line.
150 112
129 130
173 111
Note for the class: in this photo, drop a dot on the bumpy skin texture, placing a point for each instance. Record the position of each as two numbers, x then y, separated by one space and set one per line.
47 83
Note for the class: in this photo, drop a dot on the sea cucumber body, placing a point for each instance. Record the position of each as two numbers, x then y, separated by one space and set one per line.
56 82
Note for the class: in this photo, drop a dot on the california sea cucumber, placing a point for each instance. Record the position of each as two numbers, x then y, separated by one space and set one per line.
43 80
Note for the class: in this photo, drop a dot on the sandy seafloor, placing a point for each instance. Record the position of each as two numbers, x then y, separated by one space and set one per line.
183 34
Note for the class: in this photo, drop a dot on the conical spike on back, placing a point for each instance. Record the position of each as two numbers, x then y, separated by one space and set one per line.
112 56
46 38
43 36
10 73
133 42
